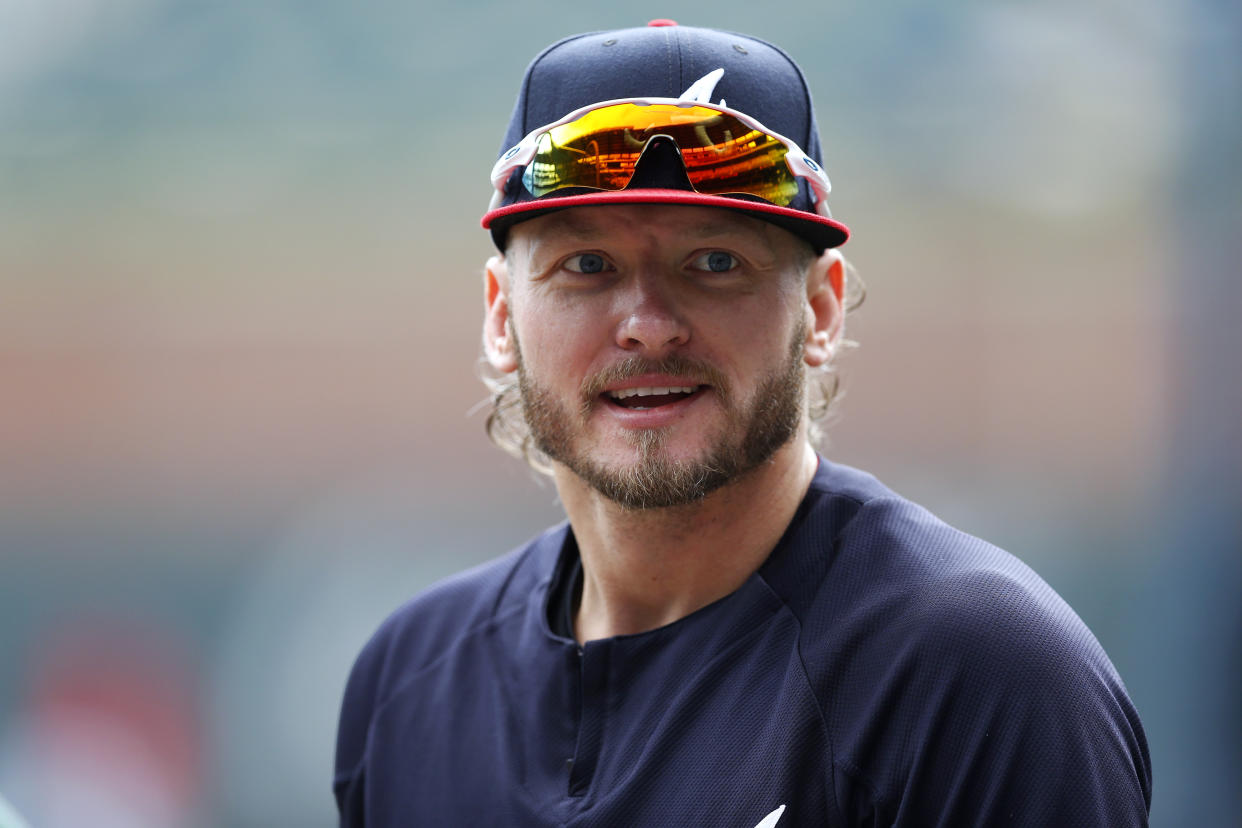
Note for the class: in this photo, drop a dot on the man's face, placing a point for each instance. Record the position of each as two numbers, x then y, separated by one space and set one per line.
659 348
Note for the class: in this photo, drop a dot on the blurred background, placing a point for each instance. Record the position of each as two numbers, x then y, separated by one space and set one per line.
239 319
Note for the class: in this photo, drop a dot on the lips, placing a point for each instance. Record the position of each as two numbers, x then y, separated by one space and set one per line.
650 396
643 393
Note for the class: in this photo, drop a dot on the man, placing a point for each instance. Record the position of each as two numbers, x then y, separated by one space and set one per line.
729 630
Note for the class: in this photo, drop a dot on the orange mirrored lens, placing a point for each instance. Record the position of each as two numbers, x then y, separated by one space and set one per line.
722 154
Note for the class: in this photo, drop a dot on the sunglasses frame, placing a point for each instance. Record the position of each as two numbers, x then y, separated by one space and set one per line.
799 163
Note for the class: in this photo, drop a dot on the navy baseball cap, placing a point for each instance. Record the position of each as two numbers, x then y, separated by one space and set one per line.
664 60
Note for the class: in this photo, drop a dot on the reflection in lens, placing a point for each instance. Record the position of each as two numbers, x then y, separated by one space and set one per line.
600 149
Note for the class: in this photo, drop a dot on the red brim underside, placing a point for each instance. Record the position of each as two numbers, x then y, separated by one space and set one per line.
819 231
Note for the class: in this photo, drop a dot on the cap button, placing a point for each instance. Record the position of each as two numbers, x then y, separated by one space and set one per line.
662 21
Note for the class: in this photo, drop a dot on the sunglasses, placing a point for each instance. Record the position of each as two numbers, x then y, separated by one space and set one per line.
725 152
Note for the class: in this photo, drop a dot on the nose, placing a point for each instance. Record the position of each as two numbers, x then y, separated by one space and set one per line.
651 321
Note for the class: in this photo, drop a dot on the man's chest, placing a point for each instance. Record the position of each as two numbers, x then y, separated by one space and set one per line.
611 735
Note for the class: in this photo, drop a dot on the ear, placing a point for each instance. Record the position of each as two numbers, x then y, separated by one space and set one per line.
825 292
498 344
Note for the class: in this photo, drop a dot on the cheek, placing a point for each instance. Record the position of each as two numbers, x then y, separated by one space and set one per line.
763 332
555 347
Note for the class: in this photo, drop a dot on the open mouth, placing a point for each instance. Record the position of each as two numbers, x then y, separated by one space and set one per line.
651 397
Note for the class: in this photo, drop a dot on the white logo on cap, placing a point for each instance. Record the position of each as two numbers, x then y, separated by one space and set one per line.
701 90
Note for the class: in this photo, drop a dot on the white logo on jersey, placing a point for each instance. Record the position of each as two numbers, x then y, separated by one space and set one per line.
701 90
771 819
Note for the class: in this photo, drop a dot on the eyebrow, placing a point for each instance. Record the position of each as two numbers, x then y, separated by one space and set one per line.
710 229
587 229
579 226
716 228
584 228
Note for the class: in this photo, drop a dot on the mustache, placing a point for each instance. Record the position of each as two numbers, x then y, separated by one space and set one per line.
677 365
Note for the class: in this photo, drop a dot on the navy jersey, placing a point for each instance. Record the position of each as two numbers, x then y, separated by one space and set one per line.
880 668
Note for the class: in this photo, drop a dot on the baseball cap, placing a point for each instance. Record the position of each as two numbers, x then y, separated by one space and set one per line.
745 75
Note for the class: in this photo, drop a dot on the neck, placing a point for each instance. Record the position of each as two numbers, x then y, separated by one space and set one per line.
647 568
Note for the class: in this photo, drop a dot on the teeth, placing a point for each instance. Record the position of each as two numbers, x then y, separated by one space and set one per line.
650 392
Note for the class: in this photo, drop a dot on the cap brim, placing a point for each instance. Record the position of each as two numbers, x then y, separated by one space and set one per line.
820 232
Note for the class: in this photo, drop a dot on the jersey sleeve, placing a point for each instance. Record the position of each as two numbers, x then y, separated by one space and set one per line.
357 708
993 705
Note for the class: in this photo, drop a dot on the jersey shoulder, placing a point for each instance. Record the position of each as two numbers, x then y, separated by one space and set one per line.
858 553
944 664
427 627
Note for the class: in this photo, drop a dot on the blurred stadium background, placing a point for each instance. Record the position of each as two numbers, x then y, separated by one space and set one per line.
239 313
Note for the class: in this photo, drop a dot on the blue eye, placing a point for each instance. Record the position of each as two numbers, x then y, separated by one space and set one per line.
716 261
586 263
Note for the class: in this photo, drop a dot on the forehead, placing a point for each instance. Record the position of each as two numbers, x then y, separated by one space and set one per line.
653 226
